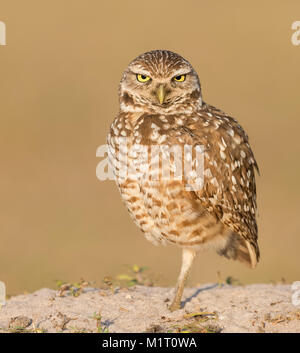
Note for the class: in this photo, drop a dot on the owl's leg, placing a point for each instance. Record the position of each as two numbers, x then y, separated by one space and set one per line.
188 256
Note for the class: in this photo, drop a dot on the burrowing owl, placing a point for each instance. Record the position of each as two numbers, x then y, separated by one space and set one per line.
161 107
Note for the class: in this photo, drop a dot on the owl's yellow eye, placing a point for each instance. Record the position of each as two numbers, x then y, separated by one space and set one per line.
142 78
179 78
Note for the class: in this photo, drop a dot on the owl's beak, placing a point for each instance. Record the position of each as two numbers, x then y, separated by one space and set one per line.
161 93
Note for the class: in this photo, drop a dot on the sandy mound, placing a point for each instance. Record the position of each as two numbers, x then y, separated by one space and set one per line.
210 308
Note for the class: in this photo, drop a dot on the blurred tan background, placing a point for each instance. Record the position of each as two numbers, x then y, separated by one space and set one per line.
59 76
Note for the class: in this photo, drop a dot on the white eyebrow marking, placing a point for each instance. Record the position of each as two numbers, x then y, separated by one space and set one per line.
181 72
139 70
144 72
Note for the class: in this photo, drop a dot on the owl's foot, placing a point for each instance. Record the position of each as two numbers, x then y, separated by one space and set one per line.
176 305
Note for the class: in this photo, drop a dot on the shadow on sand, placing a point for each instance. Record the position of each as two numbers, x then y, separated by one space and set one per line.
199 290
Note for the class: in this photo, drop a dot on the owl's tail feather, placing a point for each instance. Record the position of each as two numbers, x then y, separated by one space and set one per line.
238 248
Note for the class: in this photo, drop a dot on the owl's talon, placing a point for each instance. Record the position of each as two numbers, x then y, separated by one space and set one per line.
175 306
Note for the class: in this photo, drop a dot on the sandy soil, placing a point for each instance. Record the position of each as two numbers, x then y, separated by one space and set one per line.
209 308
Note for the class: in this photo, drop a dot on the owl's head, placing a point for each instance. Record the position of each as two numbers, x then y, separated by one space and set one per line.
160 81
